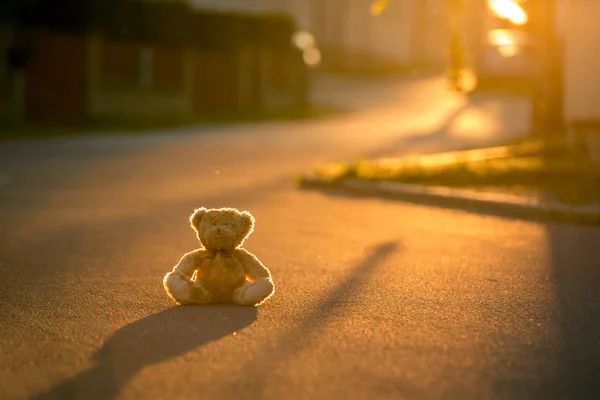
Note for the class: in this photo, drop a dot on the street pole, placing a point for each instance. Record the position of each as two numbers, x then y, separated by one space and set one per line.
548 114
419 28
340 26
455 45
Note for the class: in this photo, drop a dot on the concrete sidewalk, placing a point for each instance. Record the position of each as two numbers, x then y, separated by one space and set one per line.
530 206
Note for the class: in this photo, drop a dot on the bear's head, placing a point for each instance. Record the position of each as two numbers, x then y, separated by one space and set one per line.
222 228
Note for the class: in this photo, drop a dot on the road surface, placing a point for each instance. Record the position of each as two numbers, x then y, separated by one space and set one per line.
374 299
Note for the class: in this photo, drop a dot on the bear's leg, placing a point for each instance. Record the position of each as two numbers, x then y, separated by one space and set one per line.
253 293
186 291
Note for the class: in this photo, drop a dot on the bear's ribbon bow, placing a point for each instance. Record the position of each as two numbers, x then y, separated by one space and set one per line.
227 256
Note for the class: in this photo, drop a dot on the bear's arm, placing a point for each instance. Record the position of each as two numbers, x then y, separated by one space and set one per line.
190 262
253 268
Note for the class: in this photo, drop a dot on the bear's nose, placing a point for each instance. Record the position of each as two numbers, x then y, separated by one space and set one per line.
218 230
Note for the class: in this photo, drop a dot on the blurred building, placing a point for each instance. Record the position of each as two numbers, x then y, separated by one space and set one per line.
407 33
147 58
579 31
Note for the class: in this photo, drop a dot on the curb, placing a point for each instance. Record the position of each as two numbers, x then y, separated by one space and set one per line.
497 203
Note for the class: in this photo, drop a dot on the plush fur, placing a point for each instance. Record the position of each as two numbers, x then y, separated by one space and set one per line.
221 271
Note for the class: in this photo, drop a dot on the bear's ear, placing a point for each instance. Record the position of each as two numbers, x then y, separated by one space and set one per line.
196 217
248 221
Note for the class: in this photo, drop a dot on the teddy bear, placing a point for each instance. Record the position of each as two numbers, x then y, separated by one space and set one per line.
221 271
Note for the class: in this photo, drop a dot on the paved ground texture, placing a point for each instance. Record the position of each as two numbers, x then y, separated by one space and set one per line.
375 299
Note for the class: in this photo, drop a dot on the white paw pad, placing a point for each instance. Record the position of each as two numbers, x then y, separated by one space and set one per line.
179 288
257 292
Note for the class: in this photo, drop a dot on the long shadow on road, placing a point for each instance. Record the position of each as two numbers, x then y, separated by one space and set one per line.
298 338
159 337
574 258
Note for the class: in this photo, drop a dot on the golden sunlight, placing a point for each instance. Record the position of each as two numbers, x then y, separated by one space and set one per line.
378 6
505 41
510 50
303 40
510 10
312 57
501 37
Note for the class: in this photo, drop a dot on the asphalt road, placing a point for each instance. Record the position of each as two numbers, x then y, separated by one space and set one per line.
374 299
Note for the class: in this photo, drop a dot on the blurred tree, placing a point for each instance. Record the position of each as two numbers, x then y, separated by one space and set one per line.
69 15
55 12
11 9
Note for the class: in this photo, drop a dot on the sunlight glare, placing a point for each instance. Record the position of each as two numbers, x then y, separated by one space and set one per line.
303 40
505 41
312 56
509 50
510 10
474 123
501 37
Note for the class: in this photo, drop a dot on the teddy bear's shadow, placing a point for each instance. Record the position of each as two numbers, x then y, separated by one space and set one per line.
151 340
